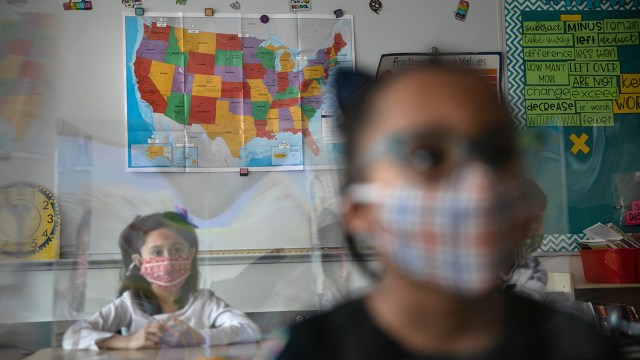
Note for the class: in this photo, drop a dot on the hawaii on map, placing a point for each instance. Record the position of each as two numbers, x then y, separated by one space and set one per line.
223 92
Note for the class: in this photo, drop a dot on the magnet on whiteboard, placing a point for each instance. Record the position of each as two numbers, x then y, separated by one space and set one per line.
208 11
244 171
338 13
264 19
139 11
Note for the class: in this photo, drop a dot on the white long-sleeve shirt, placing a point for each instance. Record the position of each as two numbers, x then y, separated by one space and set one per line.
218 322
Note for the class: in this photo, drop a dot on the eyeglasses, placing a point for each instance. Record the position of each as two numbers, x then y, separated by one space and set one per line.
435 152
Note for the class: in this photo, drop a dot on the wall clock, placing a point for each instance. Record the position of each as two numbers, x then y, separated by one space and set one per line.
29 222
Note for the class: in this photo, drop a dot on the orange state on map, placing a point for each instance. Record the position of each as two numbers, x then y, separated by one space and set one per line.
234 129
259 91
155 151
314 72
162 76
207 85
273 118
202 42
286 62
296 115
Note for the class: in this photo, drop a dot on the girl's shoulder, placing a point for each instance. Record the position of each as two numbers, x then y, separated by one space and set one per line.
126 297
208 298
204 294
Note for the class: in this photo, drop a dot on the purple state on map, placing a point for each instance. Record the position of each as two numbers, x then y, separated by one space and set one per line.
321 59
295 79
249 48
285 119
228 73
315 101
239 106
152 49
270 80
178 80
182 82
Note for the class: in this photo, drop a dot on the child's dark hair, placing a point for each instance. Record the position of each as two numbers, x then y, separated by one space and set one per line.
133 238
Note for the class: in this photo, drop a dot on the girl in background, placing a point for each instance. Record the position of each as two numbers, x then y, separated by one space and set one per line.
159 302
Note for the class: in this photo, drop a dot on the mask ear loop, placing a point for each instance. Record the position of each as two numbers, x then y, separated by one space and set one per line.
133 264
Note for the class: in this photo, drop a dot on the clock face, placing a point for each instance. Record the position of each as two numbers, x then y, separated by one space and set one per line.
29 219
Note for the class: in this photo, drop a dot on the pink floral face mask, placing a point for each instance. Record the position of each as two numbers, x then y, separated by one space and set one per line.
166 272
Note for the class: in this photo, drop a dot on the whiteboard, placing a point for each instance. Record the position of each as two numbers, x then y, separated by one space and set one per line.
86 87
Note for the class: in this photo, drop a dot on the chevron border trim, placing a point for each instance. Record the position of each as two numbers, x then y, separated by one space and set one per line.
561 242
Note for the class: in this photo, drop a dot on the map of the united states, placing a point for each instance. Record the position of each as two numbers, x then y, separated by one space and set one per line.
235 88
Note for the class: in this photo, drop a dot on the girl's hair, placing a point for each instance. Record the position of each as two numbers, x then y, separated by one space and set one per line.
133 238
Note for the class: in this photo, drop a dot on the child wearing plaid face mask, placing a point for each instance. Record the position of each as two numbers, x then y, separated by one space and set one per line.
159 301
433 185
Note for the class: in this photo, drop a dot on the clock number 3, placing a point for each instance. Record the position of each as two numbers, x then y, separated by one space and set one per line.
50 216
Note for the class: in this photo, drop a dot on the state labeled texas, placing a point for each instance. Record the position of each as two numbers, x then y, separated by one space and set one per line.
231 86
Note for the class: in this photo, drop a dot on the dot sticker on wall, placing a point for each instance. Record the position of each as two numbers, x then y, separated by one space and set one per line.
375 6
462 10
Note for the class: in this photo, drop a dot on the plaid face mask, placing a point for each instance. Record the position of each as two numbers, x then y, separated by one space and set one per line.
453 235
166 272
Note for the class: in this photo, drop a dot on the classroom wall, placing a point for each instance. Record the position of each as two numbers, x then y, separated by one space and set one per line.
88 79
85 90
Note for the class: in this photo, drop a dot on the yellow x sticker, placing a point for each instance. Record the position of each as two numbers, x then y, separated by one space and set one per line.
579 143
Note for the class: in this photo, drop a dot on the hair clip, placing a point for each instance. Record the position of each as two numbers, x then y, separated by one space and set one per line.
184 215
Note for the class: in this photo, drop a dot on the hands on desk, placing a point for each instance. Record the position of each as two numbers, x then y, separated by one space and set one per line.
180 334
174 333
150 336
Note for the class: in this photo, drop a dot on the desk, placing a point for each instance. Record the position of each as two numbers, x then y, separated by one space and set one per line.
262 350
